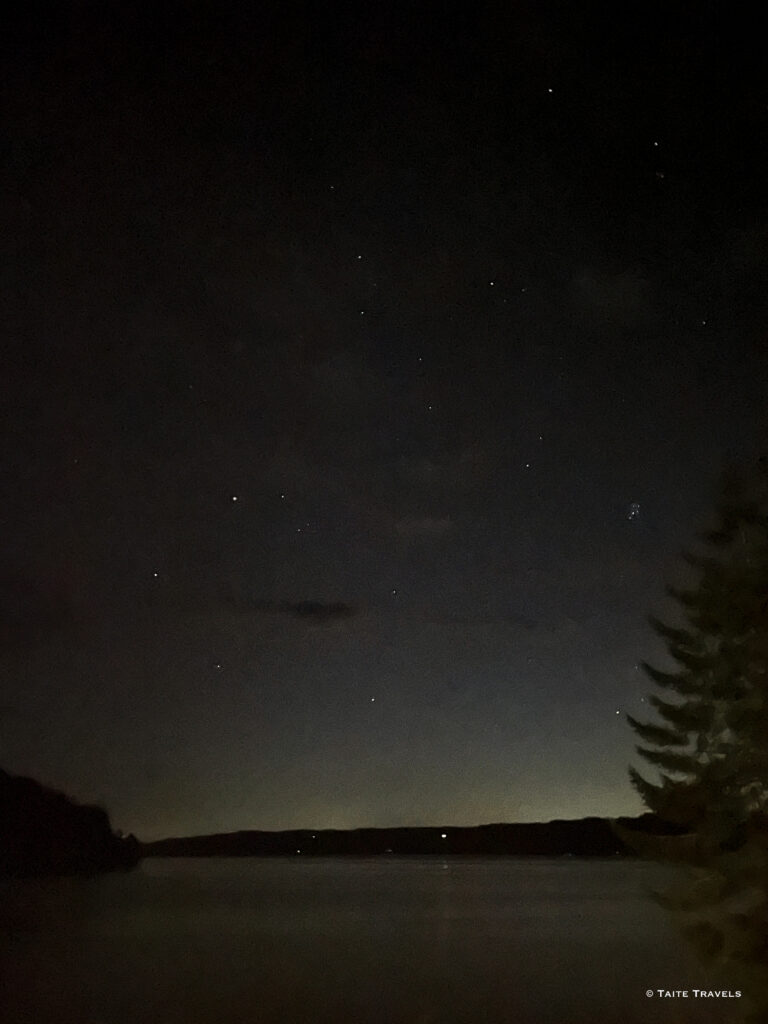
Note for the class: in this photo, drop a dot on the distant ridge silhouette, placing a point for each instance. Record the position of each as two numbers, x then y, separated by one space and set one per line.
584 837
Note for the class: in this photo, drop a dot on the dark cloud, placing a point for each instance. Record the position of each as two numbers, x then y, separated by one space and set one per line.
463 621
314 611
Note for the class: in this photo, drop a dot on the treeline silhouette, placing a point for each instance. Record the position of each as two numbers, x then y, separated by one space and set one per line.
44 832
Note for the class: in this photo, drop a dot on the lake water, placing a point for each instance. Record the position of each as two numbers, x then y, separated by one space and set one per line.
376 941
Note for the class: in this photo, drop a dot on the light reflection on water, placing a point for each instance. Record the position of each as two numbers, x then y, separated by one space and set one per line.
385 941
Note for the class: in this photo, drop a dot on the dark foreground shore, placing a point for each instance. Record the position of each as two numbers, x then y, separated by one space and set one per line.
43 832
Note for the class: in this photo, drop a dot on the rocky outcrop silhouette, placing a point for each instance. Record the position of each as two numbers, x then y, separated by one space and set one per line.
44 832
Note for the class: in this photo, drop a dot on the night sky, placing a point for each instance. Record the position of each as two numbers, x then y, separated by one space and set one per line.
362 379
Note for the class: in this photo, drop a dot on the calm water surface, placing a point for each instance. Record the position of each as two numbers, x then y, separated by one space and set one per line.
375 941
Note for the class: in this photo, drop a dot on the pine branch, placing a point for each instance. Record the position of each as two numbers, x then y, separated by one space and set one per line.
683 683
659 735
682 764
682 637
697 663
692 716
649 793
706 563
687 598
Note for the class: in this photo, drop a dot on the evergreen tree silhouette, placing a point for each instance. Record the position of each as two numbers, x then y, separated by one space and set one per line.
710 747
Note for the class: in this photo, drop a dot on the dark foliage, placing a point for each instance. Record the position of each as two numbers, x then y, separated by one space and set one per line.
43 832
711 748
